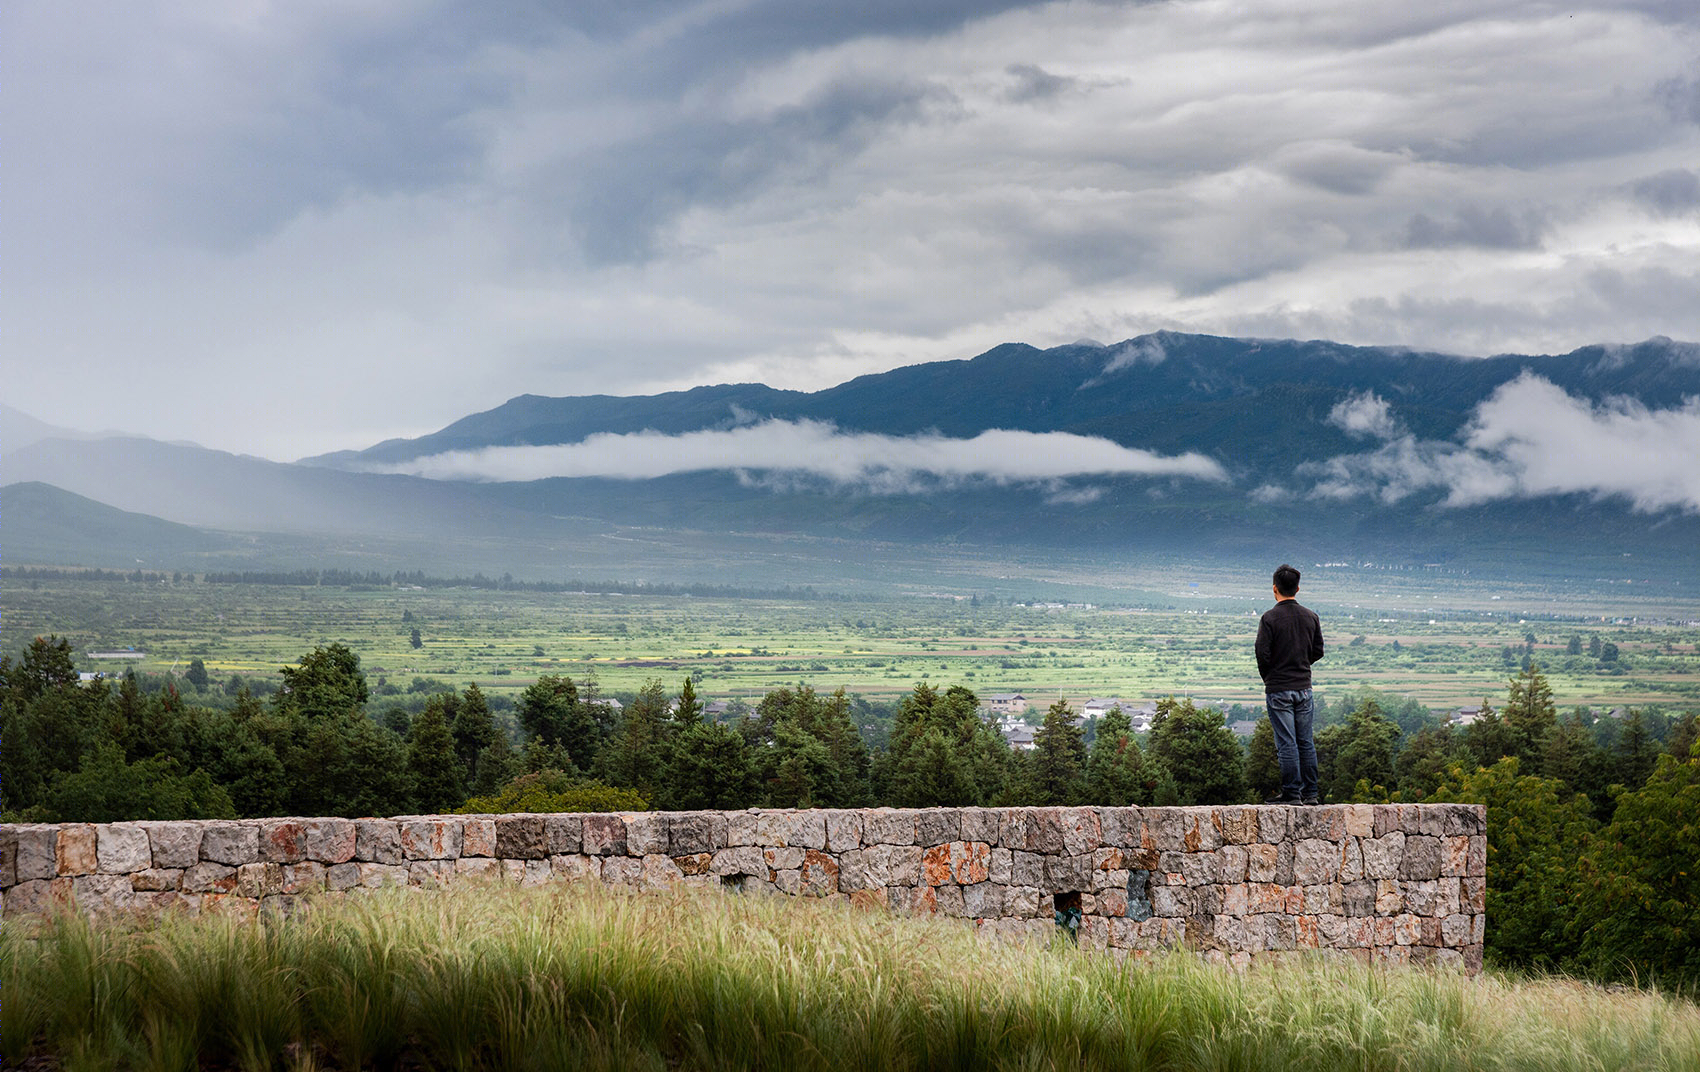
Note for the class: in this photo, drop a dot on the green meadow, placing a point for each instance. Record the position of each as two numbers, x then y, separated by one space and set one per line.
1443 643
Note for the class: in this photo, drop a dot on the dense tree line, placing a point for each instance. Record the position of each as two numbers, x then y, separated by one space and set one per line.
111 749
127 746
1594 845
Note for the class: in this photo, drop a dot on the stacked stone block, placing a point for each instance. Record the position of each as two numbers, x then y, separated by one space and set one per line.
1401 883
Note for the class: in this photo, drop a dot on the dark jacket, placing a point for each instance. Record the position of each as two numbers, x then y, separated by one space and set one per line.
1289 639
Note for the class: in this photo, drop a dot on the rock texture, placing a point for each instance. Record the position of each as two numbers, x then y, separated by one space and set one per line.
1398 883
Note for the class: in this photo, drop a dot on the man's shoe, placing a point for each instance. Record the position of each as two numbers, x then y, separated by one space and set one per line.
1312 801
1281 798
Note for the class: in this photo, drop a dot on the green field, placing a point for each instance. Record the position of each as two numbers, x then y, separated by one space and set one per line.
1442 641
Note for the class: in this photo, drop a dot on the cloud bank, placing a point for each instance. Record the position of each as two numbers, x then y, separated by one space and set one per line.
813 449
1529 438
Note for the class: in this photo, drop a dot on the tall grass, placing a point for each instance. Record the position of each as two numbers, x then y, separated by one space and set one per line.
585 978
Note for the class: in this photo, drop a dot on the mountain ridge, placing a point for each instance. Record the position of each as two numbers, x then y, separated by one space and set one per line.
1267 411
1020 387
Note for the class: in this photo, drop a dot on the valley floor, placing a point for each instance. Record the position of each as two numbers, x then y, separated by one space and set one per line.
1443 644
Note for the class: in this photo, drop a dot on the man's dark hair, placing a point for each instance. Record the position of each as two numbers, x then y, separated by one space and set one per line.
1287 580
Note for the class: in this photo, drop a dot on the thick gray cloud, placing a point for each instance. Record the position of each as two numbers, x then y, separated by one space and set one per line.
1682 97
288 228
1669 193
1033 83
626 195
1469 226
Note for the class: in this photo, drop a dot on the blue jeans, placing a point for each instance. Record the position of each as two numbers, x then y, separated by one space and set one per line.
1290 716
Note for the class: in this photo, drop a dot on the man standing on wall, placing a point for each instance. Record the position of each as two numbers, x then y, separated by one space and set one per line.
1289 639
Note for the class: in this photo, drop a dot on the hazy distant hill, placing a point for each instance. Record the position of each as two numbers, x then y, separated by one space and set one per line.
217 489
1260 408
48 524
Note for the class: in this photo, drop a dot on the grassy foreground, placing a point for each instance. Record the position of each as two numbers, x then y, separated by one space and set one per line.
583 978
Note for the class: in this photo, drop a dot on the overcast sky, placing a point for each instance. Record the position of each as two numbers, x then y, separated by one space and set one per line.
295 227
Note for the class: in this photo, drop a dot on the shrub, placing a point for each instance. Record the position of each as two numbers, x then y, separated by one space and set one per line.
1640 901
553 791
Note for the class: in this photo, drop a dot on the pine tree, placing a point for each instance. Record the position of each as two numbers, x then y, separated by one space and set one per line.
381 782
474 730
1422 764
1199 752
689 711
552 709
639 755
803 766
246 706
711 769
498 764
933 772
831 723
1636 752
1536 829
1262 764
1060 757
1358 750
1683 736
839 782
243 763
146 724
1565 753
1640 889
432 763
915 716
326 682
1165 791
1530 715
46 665
815 742
978 765
1115 773
539 757
1489 738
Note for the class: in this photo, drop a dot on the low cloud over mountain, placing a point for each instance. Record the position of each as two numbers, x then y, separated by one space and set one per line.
1529 438
879 463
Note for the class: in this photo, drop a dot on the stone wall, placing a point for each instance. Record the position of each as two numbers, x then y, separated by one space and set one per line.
1381 882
